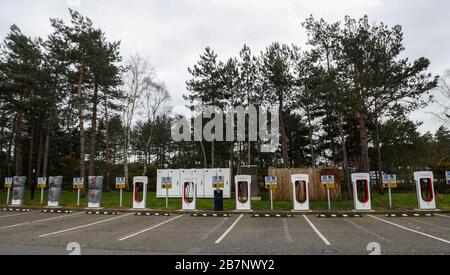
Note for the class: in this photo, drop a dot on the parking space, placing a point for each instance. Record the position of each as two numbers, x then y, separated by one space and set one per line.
39 233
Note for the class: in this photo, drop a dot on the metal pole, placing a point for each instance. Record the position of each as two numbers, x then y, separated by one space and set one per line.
78 199
390 198
121 197
329 199
167 198
42 196
7 196
271 199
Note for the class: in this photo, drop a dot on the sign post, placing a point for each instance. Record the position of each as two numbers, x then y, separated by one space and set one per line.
390 182
8 185
78 184
328 183
120 185
271 184
42 184
167 185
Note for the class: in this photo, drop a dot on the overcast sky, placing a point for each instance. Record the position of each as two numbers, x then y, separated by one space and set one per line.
173 33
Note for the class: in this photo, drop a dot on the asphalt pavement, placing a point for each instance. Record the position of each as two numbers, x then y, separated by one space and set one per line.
36 233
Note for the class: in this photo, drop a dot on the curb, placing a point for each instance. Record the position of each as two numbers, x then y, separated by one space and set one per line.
335 216
103 213
153 214
215 215
52 211
16 209
229 213
410 215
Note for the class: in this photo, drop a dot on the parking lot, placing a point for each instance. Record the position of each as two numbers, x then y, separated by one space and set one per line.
44 233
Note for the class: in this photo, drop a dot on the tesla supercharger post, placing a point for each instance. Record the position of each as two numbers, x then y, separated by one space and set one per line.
140 192
189 199
18 190
121 185
8 186
300 191
54 191
361 192
95 185
78 184
42 184
425 190
271 184
389 183
328 183
243 193
166 184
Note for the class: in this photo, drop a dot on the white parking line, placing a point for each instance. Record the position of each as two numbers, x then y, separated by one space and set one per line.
84 226
207 235
317 231
16 215
411 230
40 221
148 229
229 230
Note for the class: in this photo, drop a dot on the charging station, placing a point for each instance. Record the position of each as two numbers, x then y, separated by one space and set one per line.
176 191
425 190
54 191
243 193
95 192
300 190
140 192
361 192
18 190
189 199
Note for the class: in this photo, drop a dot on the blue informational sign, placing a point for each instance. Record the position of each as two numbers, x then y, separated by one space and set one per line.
327 182
271 182
166 183
120 183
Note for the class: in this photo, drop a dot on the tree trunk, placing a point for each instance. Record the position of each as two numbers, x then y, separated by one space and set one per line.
31 157
365 166
93 142
125 156
9 150
81 118
212 155
107 155
311 138
284 143
377 145
18 144
145 163
46 151
40 150
348 180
